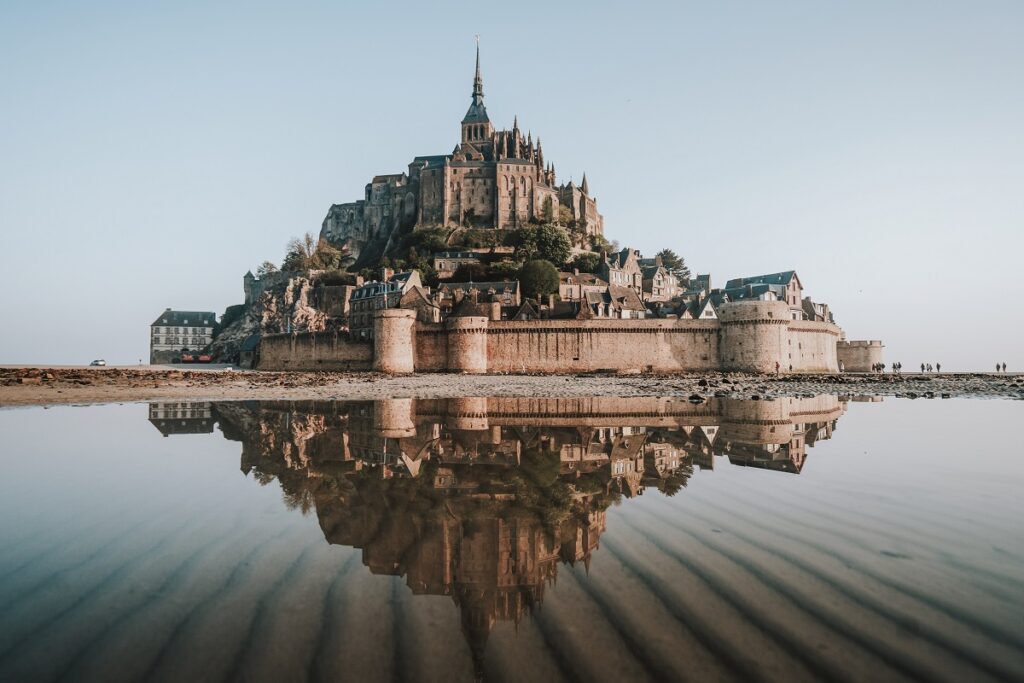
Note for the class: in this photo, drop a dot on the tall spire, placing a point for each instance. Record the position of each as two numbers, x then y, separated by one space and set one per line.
584 187
477 112
478 80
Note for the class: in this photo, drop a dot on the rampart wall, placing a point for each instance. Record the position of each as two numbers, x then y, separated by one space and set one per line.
314 351
749 336
553 346
859 356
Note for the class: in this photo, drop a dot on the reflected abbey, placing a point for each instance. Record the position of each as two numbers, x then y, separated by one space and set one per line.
481 499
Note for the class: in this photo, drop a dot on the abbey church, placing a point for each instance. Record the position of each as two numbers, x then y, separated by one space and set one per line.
495 179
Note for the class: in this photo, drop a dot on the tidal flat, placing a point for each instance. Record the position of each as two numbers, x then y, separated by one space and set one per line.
583 537
53 386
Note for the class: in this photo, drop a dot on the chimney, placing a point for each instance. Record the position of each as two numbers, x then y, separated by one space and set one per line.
575 271
551 301
387 274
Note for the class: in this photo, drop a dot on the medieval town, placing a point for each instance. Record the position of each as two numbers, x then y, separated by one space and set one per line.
480 260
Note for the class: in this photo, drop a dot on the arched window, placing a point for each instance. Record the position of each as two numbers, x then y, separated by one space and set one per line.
522 185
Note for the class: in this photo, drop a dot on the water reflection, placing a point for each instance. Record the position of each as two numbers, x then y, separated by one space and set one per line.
482 499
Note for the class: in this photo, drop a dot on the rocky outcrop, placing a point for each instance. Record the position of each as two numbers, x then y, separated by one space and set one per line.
288 305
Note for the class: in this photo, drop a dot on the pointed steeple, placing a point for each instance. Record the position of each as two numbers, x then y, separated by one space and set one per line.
584 187
477 112
478 80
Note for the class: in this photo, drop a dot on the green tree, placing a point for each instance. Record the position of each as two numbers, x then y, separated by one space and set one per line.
587 262
299 253
599 243
565 216
538 278
553 244
674 264
265 268
504 270
548 210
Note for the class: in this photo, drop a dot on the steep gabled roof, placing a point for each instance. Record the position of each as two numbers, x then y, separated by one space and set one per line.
782 278
190 318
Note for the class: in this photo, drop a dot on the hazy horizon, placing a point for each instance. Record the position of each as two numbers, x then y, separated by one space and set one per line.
153 154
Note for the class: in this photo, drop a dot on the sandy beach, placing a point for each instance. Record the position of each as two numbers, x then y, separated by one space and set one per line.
21 386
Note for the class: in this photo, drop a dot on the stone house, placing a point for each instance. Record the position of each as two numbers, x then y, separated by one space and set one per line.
784 286
174 332
816 312
505 292
658 283
447 262
623 269
373 296
575 285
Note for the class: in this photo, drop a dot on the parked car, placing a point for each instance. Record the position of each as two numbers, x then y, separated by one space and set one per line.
188 358
205 358
98 363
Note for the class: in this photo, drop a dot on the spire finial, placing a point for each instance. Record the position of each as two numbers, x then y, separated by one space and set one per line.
584 186
478 80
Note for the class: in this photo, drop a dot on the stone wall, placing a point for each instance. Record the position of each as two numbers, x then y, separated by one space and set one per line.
749 336
554 346
859 356
314 351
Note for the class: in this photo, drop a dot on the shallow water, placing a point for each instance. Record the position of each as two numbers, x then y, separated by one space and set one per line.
513 539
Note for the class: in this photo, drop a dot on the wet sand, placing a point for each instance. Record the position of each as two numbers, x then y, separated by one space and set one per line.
57 385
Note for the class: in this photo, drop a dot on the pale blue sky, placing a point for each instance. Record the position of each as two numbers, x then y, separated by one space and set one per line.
150 153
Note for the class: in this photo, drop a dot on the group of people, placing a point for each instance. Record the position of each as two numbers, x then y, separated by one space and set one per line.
1003 365
927 367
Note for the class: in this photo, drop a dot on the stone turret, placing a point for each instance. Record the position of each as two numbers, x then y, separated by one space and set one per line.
467 344
394 418
755 335
859 356
394 340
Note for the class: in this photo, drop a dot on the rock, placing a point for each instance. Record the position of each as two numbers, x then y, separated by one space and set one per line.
30 380
696 398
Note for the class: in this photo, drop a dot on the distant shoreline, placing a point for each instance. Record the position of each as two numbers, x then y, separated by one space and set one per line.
56 385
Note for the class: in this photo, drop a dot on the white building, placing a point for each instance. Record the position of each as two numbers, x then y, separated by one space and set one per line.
175 332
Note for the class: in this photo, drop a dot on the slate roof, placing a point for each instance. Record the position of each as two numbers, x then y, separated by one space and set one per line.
581 279
512 285
625 298
190 318
782 278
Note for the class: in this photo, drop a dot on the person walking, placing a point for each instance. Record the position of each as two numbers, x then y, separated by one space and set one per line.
1004 367
922 368
776 368
997 367
938 368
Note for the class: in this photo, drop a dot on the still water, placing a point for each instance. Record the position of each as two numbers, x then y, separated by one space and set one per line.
513 539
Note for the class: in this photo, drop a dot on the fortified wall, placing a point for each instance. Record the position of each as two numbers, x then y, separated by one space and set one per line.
859 356
313 351
749 336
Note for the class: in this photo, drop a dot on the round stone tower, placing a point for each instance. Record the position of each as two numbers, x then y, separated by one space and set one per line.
467 414
393 418
467 344
754 335
859 356
393 341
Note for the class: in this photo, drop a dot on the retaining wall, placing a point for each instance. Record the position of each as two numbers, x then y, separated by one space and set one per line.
314 351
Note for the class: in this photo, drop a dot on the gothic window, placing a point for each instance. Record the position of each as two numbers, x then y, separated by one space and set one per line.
522 184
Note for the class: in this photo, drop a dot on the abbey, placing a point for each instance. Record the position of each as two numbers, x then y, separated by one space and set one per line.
495 179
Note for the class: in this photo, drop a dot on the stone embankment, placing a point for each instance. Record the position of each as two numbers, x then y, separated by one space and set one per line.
44 386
